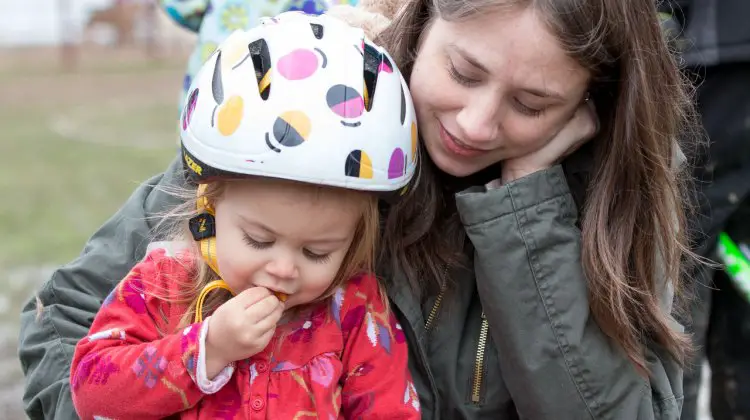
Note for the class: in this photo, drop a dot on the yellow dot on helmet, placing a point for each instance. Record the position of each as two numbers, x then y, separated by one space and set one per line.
358 165
365 166
413 141
229 116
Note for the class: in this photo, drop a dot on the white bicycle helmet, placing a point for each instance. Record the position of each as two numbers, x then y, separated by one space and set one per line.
305 98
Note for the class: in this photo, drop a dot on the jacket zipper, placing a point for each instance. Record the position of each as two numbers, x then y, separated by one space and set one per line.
434 311
476 388
476 385
436 306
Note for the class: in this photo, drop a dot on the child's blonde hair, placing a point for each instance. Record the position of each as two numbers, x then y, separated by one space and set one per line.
359 259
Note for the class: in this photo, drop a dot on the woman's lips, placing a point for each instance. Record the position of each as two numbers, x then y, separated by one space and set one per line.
457 147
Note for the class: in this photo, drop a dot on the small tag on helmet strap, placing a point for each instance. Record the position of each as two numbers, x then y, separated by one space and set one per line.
202 226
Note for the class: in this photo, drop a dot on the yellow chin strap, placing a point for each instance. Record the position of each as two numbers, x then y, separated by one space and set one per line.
203 228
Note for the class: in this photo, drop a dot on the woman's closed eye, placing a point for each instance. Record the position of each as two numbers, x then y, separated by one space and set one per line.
525 109
460 78
256 243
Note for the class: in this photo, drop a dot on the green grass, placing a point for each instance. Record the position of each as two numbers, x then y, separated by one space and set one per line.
93 67
56 189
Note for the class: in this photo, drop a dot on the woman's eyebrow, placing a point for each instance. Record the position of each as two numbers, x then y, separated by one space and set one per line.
543 93
469 58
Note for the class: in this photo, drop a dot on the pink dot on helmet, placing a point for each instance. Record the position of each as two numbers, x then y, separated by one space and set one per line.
352 108
385 66
397 165
345 101
298 64
189 109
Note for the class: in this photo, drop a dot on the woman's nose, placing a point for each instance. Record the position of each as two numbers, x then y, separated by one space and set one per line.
478 121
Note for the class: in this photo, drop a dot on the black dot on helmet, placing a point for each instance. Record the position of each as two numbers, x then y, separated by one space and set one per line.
292 128
403 106
358 165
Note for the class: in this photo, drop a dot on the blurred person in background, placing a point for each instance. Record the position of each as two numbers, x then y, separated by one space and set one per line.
714 38
214 20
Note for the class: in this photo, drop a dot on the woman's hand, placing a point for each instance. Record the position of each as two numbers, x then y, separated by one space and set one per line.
581 128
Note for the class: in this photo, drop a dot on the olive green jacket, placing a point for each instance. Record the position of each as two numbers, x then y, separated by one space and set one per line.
515 340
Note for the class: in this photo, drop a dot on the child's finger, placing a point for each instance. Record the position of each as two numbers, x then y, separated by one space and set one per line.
269 322
251 296
262 309
266 337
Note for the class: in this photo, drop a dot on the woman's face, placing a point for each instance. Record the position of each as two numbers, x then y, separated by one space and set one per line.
492 87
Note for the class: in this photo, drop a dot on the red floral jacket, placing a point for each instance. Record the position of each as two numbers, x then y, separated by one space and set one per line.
347 358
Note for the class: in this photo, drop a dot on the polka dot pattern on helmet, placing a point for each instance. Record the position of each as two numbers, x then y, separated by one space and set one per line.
187 114
397 164
413 141
403 106
385 66
298 64
358 165
292 128
345 101
297 98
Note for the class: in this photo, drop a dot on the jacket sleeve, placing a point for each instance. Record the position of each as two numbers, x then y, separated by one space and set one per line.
130 365
376 379
556 361
186 13
67 302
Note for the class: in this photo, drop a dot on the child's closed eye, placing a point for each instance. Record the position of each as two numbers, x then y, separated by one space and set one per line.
256 243
315 257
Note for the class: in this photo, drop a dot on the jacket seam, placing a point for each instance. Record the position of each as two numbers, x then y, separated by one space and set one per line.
546 301
662 404
663 401
58 337
514 210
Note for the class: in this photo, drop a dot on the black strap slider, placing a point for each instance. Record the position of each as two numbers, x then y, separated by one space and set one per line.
203 226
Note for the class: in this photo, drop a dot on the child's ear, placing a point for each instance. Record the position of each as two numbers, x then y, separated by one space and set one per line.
370 22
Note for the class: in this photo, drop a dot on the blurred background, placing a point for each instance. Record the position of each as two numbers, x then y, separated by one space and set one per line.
89 94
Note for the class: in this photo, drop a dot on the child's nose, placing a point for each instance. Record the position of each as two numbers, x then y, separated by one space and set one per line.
282 267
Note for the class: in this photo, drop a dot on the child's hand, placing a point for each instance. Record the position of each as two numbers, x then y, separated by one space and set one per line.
241 328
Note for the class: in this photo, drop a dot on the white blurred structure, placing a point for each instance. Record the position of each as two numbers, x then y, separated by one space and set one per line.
54 22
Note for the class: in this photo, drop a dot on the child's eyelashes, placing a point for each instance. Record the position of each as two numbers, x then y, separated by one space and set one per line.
257 244
310 255
318 258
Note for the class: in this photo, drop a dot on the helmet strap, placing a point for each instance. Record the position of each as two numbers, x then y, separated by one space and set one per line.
203 229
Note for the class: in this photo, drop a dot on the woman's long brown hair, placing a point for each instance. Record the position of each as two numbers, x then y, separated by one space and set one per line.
633 215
